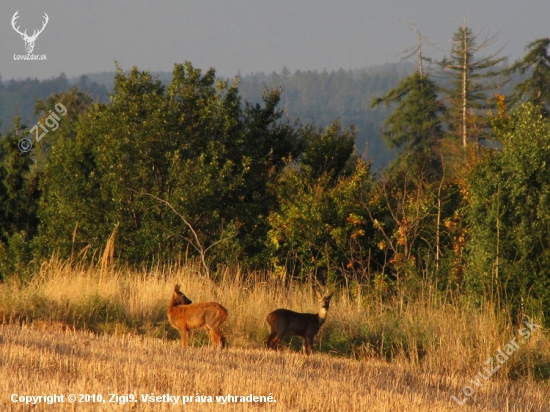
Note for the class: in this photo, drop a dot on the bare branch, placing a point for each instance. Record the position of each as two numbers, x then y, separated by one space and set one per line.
199 247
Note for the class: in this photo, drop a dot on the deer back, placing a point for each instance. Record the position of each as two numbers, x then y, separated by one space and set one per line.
182 313
197 315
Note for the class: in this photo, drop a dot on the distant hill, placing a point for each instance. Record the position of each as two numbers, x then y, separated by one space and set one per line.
19 96
320 97
311 96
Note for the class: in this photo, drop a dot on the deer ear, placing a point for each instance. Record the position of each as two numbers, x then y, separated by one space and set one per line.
319 296
177 288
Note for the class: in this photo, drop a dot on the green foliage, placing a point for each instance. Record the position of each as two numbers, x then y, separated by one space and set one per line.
19 195
71 214
188 171
415 124
326 153
175 169
320 97
320 226
470 79
536 62
402 208
18 186
15 255
509 213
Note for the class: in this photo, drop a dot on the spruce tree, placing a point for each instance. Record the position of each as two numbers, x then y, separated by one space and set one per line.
415 124
470 80
536 62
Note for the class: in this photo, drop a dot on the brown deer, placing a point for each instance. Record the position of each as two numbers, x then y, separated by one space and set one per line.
184 315
306 325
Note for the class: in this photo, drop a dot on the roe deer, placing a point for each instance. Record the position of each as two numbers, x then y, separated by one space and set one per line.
306 325
185 315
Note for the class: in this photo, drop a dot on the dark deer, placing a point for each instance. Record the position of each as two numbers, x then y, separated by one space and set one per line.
305 325
185 315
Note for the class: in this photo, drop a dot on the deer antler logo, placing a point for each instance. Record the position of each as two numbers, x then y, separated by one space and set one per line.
29 40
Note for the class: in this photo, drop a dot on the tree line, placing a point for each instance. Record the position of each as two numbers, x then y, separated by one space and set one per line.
189 171
312 97
18 97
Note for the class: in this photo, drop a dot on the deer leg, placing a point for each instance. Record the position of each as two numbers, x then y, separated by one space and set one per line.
276 340
221 340
304 346
216 337
269 340
184 333
308 341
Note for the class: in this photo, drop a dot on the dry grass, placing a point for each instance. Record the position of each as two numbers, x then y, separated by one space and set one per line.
38 361
376 354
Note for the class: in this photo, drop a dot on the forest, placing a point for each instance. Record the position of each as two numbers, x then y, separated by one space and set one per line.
202 169
306 96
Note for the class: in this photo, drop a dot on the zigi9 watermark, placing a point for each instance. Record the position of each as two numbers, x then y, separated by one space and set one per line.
491 366
52 121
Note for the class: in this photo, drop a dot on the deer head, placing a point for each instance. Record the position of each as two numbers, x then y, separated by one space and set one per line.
29 40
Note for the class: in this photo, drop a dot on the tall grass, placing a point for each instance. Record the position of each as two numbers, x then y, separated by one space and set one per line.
426 332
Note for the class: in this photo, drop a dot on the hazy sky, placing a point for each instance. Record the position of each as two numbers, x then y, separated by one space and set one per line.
251 35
